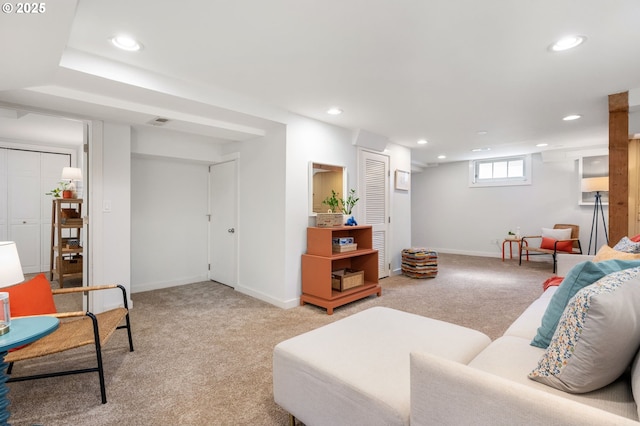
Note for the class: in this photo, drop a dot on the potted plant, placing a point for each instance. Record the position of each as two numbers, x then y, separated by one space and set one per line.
62 190
333 202
347 206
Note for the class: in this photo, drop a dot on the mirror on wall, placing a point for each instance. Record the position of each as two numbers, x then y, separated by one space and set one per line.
322 179
594 176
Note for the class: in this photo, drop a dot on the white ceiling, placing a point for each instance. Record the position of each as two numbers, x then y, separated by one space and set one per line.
405 69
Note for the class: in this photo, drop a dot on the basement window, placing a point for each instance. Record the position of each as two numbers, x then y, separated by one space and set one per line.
505 171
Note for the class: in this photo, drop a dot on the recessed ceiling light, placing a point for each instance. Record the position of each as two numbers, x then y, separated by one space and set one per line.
540 145
480 149
567 43
441 157
334 111
127 43
572 117
422 142
482 132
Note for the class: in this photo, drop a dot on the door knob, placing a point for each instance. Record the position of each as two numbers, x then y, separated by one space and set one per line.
231 230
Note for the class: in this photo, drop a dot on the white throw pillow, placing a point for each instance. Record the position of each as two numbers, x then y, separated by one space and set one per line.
557 234
597 336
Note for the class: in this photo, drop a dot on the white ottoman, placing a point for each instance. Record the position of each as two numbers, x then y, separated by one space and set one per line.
355 371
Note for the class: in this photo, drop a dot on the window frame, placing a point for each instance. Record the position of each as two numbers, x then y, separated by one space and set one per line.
474 165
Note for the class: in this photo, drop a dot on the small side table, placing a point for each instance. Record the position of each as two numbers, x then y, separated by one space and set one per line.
23 331
511 241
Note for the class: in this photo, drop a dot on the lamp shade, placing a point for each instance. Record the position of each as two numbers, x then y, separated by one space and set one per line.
595 184
71 173
10 268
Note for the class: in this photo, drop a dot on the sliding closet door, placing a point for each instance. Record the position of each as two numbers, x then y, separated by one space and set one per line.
25 210
4 214
24 206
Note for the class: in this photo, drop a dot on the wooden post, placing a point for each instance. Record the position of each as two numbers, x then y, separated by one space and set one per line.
618 166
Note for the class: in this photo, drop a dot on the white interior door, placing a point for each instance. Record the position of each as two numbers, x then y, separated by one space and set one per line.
223 234
24 206
373 184
4 214
25 210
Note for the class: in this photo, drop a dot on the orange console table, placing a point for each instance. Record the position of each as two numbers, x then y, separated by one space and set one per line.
320 260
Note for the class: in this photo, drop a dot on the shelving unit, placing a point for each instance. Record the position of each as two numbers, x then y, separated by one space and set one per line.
66 251
320 260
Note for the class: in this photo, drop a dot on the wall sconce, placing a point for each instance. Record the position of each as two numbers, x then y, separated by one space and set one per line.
10 273
71 174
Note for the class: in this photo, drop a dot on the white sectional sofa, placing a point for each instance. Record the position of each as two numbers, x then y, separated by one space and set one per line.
387 367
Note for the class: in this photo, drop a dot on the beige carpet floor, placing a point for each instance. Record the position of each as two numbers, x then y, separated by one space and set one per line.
203 351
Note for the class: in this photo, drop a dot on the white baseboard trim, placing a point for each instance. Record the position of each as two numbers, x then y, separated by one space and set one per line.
138 288
533 258
284 304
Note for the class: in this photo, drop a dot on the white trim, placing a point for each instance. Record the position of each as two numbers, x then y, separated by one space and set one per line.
157 285
34 146
526 180
283 304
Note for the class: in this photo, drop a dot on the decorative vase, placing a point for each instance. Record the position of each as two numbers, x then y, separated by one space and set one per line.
351 221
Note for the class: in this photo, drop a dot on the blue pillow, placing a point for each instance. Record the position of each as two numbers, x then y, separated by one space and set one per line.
580 276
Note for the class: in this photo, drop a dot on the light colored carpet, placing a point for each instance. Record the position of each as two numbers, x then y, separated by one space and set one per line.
203 351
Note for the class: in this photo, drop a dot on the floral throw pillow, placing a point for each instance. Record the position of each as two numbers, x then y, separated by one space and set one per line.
627 246
597 336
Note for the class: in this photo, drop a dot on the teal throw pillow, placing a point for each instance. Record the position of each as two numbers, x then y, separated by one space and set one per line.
580 276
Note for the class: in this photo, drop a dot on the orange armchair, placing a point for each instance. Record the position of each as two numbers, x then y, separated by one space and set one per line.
553 242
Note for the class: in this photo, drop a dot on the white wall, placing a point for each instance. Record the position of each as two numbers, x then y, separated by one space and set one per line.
169 226
400 159
261 223
273 189
450 217
109 211
313 141
309 141
165 143
169 204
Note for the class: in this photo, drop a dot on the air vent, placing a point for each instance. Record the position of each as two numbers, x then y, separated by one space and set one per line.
159 121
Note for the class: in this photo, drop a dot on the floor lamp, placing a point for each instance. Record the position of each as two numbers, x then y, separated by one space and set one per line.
597 185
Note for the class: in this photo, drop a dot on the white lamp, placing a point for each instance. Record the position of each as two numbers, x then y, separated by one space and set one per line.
597 185
72 174
10 273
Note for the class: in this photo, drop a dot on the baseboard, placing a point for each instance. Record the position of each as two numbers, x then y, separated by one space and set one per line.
138 288
533 258
467 252
284 304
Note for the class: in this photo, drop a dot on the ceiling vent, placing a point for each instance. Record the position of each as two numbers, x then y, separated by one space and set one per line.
159 121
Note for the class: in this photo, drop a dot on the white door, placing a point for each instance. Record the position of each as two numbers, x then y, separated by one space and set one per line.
4 214
25 210
373 184
24 206
223 234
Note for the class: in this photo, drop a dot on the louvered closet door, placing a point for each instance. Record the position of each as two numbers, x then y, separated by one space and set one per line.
373 181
